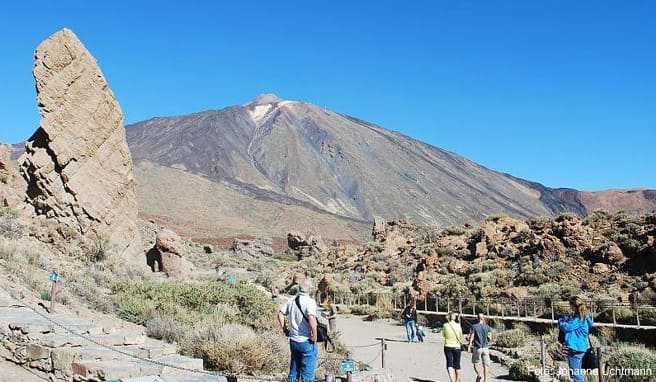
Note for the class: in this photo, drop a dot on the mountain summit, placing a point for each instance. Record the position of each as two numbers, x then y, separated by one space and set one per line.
296 154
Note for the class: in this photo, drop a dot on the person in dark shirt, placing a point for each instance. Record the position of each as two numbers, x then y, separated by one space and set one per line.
480 335
409 316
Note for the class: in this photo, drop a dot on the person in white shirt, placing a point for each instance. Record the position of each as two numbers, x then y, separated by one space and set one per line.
301 316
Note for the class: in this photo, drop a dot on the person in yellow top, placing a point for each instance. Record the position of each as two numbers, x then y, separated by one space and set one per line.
453 341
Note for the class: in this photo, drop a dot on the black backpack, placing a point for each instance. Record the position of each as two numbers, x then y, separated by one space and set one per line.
322 329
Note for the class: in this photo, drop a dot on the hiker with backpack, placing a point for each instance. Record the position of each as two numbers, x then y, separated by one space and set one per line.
302 330
409 316
453 343
574 331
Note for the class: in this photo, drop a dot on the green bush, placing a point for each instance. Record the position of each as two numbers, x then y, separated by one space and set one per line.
632 357
513 338
523 370
187 302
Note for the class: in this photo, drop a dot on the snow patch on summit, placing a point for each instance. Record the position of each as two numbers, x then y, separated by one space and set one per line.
259 112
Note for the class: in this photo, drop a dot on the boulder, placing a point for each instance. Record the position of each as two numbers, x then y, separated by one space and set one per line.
517 293
600 268
459 267
255 248
305 245
174 265
77 165
169 241
171 249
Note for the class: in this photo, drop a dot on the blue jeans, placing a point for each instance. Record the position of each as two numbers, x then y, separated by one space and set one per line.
411 330
575 360
303 362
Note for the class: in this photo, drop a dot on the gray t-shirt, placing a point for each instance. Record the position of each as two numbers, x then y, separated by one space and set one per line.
481 333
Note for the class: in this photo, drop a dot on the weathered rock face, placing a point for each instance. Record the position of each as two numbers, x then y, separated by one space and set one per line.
77 165
11 185
305 245
256 248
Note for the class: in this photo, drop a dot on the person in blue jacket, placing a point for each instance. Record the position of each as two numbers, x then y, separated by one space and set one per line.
575 329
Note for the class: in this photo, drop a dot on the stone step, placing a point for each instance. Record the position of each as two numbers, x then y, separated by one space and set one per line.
141 351
110 369
181 361
120 338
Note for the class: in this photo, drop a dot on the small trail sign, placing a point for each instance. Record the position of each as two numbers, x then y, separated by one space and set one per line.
348 366
54 277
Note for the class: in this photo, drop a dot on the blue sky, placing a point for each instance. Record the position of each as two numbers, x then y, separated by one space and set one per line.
560 92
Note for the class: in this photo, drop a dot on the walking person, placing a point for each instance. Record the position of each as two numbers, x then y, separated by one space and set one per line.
453 342
574 335
302 333
331 309
409 315
480 336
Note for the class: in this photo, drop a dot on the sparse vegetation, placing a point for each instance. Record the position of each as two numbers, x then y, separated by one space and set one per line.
512 338
632 357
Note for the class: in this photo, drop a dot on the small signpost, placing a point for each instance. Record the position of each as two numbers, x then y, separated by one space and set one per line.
55 279
348 367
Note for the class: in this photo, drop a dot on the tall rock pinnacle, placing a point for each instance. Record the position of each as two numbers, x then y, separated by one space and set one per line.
77 165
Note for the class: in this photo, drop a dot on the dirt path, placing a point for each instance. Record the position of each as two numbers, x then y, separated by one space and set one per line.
423 362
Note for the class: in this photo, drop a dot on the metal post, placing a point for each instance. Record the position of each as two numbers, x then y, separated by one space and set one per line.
405 300
460 307
534 308
448 304
474 306
503 310
487 307
383 347
638 315
553 316
437 304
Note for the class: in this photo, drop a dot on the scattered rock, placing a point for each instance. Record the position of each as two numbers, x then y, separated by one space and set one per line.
167 255
77 165
304 246
600 268
254 248
169 241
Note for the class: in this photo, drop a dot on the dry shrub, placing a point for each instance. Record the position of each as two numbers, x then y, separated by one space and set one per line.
237 349
164 328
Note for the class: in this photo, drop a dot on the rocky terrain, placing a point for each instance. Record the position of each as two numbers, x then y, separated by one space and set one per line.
610 255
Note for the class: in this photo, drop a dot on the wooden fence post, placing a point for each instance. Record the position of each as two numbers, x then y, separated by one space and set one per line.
543 359
614 318
600 365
